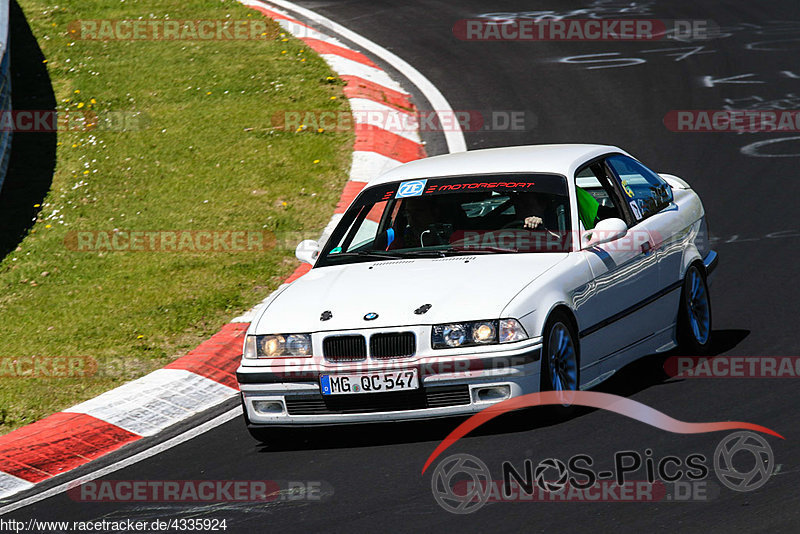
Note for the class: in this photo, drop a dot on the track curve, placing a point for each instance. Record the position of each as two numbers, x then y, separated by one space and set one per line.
373 473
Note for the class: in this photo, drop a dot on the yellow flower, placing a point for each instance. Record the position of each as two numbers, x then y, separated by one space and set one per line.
320 130
140 336
48 225
333 98
36 205
284 203
303 60
208 93
284 40
44 61
74 146
77 91
283 51
93 101
86 172
80 105
316 161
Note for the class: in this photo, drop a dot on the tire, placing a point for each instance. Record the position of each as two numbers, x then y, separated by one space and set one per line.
694 314
560 356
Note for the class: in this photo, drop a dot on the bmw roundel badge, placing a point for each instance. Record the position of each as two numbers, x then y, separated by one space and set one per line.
371 316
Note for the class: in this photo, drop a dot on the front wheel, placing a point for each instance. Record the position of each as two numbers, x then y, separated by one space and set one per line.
694 315
560 369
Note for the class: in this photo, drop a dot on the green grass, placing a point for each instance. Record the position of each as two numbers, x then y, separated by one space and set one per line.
207 158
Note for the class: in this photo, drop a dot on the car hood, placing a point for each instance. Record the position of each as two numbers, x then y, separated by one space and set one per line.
457 288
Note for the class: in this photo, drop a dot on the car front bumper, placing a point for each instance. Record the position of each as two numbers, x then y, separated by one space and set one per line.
449 386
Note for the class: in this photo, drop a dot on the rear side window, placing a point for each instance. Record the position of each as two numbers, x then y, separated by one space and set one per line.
645 191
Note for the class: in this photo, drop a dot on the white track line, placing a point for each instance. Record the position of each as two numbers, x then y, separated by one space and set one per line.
455 136
125 462
347 67
382 116
367 165
9 484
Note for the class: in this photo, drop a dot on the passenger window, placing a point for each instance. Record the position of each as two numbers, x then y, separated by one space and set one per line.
587 180
646 192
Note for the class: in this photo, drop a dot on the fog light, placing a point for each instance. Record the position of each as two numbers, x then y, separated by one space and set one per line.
491 394
268 407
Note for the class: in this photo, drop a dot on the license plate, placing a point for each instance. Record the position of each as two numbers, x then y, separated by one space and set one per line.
378 382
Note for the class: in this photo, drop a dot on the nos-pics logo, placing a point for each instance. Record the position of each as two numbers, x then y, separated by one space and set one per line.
462 483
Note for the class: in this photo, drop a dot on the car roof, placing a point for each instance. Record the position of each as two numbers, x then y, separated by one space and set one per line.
560 159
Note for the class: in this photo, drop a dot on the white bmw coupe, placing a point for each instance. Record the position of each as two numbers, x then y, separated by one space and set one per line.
458 281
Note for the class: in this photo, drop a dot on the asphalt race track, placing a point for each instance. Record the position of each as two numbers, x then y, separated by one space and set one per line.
370 475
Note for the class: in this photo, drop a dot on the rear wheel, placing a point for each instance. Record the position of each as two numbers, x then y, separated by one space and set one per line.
560 371
694 315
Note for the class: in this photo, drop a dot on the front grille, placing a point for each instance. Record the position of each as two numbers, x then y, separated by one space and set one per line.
344 348
394 345
447 396
434 397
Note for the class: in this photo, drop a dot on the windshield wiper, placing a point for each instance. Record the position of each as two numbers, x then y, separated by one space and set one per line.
365 254
483 250
441 253
424 253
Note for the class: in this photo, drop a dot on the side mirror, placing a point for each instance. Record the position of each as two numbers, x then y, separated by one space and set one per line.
605 231
307 251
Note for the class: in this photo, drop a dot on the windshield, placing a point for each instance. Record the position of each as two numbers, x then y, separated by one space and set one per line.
454 216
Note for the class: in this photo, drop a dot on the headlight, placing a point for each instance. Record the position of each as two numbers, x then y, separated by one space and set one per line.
278 346
475 333
454 335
